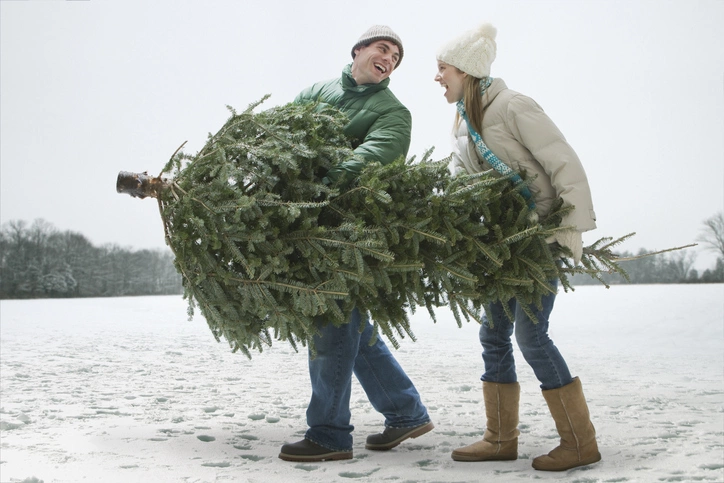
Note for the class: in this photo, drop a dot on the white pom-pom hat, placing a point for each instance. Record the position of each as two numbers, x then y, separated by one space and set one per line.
472 52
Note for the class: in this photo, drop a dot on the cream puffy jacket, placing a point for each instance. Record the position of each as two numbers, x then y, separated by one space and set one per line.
521 135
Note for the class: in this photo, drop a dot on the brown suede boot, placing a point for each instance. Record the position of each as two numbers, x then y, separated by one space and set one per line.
500 441
578 437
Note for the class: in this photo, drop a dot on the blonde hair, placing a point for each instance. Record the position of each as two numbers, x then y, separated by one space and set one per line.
473 103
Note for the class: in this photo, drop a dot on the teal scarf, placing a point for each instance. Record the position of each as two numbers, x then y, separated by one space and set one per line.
488 155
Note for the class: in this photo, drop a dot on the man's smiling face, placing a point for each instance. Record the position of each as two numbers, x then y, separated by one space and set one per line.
375 62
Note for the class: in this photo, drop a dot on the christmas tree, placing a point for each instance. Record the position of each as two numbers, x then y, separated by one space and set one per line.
264 247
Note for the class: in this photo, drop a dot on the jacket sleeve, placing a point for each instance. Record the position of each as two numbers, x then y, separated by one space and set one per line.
457 165
464 155
387 139
307 95
536 131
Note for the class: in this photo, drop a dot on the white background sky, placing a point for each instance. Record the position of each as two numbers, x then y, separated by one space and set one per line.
90 88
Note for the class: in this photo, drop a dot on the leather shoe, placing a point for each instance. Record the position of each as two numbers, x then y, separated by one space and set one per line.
306 450
391 437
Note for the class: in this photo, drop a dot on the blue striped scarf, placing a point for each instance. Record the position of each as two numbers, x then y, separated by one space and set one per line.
488 155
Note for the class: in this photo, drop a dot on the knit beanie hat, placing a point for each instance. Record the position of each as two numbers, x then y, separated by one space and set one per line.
472 52
380 32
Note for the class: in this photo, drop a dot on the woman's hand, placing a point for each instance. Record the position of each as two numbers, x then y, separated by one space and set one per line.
573 240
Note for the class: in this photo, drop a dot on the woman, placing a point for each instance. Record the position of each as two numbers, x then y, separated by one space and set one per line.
497 128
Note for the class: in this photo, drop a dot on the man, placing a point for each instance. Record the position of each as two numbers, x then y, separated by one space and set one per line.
379 127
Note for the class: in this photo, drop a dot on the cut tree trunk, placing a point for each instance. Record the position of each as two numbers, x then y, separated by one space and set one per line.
139 185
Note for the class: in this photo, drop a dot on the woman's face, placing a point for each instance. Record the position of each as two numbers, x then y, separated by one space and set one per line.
451 78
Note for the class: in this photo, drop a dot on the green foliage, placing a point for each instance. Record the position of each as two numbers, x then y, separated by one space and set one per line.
265 249
599 259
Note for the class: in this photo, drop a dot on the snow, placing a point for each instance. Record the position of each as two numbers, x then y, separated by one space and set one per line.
129 390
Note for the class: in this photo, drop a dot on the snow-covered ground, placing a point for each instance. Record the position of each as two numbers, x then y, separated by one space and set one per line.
129 390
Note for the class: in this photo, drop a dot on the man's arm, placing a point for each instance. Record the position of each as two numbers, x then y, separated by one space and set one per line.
387 140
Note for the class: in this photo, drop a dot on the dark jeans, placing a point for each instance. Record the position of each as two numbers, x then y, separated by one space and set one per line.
342 351
538 349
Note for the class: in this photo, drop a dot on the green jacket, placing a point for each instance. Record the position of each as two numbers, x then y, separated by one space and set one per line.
379 125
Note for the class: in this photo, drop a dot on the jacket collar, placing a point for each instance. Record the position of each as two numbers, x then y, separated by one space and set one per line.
349 84
495 88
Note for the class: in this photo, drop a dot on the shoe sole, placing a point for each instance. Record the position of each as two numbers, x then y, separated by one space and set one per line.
412 434
464 457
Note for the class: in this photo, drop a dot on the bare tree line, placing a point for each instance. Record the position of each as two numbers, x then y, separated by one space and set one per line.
39 261
673 267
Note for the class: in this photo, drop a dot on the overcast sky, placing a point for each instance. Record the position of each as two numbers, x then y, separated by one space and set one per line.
91 88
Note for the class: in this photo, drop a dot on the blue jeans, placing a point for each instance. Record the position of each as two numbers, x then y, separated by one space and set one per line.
538 349
342 351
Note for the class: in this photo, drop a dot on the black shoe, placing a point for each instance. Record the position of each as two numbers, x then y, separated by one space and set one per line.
306 450
391 437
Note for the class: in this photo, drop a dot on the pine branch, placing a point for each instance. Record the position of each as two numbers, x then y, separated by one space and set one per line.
651 254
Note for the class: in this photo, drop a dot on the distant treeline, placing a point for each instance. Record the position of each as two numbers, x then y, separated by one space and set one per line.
38 261
672 267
